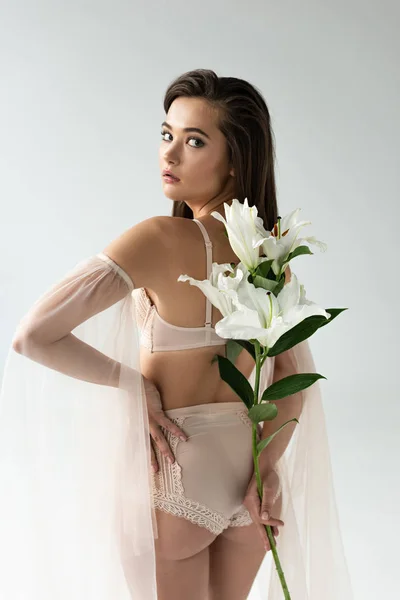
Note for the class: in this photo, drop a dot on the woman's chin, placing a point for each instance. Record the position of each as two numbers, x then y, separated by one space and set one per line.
170 193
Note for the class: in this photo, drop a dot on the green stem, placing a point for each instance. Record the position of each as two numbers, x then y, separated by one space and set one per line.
260 358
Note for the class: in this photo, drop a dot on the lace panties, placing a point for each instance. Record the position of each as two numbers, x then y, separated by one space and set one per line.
207 482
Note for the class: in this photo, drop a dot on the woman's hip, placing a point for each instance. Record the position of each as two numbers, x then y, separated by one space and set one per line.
215 464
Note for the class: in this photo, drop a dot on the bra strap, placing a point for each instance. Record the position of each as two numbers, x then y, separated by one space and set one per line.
208 245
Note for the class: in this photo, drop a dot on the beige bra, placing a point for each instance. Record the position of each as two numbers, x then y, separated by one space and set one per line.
159 335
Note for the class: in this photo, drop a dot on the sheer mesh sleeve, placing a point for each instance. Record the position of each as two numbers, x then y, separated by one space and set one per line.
77 519
44 334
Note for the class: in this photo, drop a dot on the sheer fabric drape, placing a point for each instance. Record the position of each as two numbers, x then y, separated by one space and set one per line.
77 517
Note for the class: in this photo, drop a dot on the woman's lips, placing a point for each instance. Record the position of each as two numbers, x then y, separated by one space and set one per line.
170 179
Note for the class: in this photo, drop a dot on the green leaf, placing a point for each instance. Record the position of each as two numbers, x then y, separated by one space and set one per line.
235 379
298 251
279 287
267 284
264 268
264 443
263 412
233 349
302 331
334 312
290 385
244 344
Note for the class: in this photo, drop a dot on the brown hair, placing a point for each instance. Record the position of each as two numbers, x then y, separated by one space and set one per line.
246 124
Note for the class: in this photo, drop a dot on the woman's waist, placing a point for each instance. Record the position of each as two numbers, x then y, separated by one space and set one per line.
189 388
203 418
198 399
207 408
187 382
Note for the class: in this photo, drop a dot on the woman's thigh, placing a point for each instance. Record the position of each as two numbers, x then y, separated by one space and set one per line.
235 558
182 558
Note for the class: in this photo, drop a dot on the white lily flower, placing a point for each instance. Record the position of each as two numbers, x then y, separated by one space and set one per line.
295 307
251 312
313 240
245 231
278 247
262 316
219 287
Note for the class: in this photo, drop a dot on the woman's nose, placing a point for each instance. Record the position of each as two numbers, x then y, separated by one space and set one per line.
172 152
171 155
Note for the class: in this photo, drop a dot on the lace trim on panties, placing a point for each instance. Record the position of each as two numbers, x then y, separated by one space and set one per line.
168 492
242 414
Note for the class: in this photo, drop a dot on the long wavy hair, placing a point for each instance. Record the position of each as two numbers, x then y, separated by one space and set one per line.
245 122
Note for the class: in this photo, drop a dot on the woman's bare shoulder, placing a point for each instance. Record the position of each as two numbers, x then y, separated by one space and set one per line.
174 231
145 249
141 249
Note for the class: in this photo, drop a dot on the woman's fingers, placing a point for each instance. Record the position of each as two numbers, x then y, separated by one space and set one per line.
252 503
272 522
159 438
154 463
174 429
161 442
271 490
264 536
158 420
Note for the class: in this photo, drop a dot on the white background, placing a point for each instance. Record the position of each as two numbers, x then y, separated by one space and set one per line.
81 95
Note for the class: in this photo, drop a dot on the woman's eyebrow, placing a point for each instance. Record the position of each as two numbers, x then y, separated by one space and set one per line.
165 124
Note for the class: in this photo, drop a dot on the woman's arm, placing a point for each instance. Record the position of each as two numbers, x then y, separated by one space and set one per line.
74 358
44 334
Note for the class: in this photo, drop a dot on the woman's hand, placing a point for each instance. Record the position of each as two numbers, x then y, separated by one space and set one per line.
271 493
158 419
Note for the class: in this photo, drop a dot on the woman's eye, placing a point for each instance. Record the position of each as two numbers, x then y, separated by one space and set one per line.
197 140
163 133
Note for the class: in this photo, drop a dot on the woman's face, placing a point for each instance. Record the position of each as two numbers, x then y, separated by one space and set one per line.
199 159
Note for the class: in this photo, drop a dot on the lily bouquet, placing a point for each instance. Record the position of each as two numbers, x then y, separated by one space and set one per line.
263 315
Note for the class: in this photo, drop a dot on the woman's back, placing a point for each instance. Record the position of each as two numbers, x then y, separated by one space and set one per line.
186 377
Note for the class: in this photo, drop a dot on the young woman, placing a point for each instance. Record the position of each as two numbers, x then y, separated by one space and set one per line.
128 461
